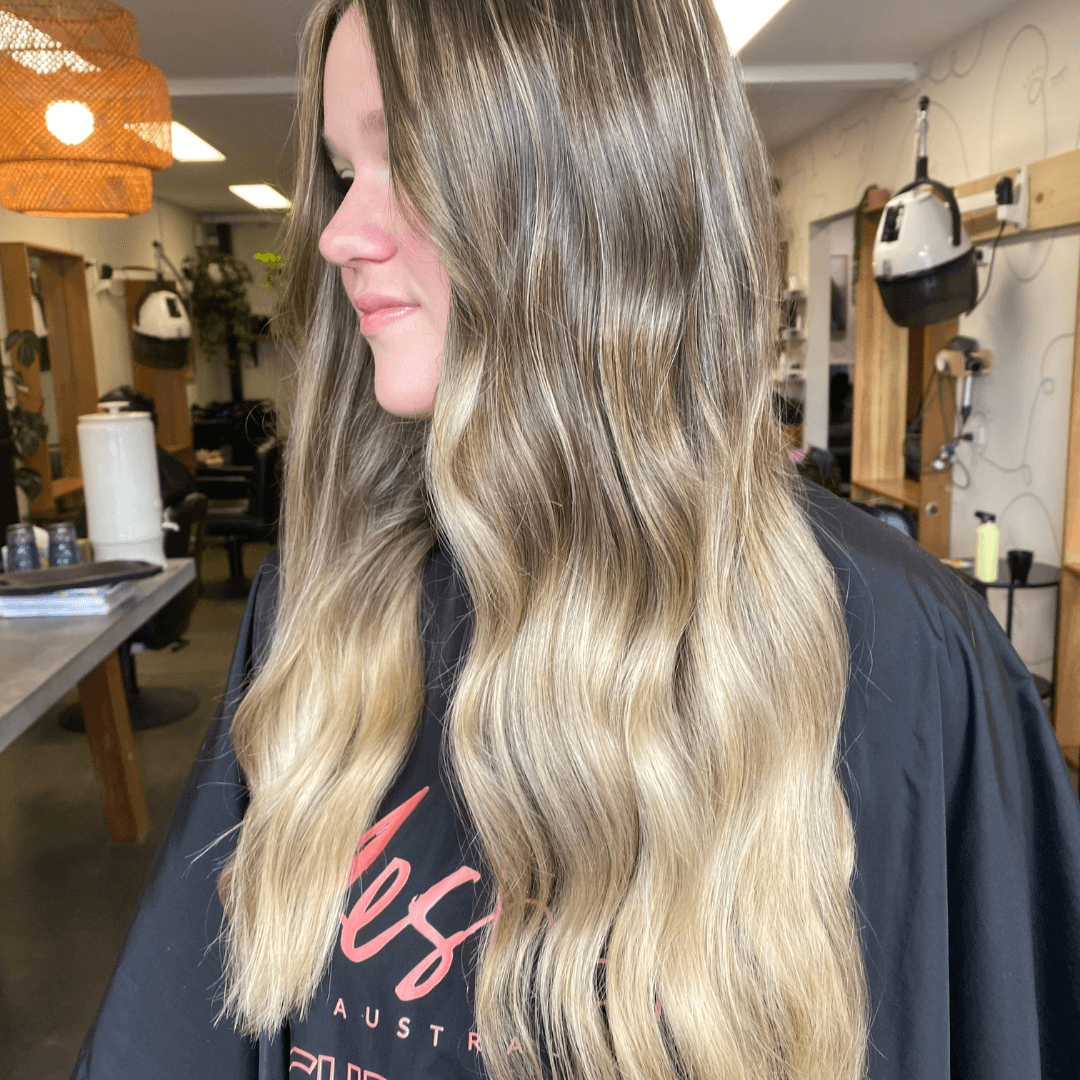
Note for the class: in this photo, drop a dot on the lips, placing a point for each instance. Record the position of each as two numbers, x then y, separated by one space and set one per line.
378 311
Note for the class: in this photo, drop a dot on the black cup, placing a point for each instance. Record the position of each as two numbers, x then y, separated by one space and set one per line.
63 544
22 552
1019 565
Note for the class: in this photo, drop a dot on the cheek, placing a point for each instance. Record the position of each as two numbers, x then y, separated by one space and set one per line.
427 271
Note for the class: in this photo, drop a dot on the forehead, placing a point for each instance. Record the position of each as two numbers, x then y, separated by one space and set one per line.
352 102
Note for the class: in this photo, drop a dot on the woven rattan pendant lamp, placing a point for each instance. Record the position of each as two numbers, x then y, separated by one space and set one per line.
82 119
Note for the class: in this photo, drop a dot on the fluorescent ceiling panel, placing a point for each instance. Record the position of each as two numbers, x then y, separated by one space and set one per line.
261 195
187 146
742 19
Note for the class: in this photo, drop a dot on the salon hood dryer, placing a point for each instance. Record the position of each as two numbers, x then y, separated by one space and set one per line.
162 330
924 262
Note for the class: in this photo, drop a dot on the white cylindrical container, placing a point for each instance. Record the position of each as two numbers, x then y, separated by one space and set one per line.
121 486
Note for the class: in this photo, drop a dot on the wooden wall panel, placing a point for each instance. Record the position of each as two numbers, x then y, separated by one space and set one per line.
1055 196
881 374
54 303
1071 544
15 270
82 339
1067 676
167 388
937 428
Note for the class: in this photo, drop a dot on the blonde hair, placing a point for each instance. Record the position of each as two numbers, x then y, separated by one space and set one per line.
645 726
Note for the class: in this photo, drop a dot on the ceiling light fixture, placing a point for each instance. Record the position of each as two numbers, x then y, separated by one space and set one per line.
261 195
742 20
83 120
187 146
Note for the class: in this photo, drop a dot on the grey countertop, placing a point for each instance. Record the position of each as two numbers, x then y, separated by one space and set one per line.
42 659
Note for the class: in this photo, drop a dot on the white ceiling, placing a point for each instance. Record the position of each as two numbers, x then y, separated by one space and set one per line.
229 39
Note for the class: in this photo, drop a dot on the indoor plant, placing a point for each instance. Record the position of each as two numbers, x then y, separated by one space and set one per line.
27 429
220 311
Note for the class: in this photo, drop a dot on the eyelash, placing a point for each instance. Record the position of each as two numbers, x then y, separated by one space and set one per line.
340 184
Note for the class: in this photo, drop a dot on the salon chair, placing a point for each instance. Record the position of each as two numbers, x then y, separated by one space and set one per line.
822 468
899 517
251 518
156 706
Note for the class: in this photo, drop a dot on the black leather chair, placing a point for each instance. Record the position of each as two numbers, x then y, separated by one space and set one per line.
157 706
254 516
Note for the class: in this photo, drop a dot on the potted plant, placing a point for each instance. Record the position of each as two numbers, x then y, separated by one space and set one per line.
27 430
220 311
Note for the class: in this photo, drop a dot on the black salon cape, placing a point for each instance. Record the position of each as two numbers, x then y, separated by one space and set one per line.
967 831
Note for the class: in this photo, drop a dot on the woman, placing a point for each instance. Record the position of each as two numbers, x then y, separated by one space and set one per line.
572 736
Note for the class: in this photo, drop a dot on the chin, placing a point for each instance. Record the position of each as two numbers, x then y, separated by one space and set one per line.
405 401
406 396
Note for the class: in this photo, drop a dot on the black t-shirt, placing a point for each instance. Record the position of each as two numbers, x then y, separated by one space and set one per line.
395 1003
967 878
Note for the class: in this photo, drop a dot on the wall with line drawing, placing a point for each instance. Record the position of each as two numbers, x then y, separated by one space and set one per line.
1003 95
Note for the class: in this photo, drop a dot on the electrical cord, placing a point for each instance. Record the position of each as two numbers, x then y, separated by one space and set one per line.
935 376
990 272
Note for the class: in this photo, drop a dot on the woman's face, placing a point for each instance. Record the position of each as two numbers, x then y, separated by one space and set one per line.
395 278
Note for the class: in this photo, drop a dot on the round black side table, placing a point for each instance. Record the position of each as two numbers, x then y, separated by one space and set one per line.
1041 576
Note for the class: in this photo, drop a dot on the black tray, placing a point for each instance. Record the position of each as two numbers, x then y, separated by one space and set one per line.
79 576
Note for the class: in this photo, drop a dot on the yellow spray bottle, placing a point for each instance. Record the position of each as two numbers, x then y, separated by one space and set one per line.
986 547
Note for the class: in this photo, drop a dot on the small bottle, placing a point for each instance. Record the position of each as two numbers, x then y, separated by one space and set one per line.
986 547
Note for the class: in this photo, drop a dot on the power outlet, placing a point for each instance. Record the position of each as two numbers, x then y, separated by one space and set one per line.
980 435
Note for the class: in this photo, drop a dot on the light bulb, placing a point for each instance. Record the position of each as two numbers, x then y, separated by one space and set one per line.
70 121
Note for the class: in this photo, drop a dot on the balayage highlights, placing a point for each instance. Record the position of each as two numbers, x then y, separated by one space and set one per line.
645 729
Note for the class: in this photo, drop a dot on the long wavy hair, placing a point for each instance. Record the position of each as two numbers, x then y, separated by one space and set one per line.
645 728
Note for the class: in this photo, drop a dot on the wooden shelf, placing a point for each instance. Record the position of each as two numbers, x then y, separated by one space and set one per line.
66 485
1072 568
65 301
905 492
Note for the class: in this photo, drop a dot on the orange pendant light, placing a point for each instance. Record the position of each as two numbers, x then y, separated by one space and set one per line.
82 119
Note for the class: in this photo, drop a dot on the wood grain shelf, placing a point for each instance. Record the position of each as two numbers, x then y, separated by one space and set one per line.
1066 190
66 485
66 305
893 372
905 492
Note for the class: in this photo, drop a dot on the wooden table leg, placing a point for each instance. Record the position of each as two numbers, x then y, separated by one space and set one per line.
112 746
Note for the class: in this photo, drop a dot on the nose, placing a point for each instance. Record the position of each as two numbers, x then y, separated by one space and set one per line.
360 231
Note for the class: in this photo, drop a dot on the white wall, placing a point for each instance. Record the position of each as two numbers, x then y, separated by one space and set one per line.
128 243
1003 95
270 378
118 243
829 239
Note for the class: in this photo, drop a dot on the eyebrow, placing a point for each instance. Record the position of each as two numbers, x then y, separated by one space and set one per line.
372 123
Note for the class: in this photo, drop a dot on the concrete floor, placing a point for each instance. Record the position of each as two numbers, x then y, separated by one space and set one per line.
67 892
